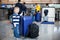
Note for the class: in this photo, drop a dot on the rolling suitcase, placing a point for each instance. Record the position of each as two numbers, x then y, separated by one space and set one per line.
26 21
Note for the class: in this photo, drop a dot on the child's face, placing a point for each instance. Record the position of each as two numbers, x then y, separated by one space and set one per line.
16 10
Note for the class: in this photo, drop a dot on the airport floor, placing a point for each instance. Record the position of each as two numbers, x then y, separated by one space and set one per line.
46 32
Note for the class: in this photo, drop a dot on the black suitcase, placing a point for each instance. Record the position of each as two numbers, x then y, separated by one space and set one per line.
33 31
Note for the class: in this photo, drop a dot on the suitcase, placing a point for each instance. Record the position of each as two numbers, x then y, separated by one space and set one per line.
38 17
26 21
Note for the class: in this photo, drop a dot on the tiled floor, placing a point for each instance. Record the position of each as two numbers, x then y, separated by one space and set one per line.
46 32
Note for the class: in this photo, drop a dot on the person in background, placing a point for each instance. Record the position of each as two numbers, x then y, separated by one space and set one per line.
46 15
24 8
38 8
38 12
47 5
33 9
33 12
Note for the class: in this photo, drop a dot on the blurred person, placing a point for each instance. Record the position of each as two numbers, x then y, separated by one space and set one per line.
46 15
38 12
47 5
24 8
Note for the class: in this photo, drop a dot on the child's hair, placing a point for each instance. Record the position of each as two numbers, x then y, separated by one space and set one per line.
16 7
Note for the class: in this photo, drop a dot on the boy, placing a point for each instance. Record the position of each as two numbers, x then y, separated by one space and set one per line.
16 22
